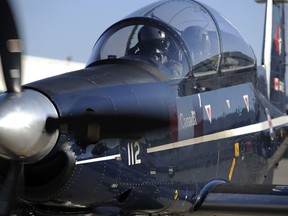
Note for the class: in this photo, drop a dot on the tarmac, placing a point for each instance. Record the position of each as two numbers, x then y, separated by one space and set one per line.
249 206
281 173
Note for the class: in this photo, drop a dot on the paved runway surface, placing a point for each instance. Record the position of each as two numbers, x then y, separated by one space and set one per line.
281 173
243 206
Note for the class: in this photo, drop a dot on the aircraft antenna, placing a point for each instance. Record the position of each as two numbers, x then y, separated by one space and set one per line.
267 43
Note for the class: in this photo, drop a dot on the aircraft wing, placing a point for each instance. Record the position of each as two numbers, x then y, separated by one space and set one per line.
235 199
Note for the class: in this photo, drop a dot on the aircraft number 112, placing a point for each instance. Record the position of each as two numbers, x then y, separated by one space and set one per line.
133 153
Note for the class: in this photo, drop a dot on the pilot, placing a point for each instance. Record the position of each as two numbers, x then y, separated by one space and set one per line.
198 42
155 44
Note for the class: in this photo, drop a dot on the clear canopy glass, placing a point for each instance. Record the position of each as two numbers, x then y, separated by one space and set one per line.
182 38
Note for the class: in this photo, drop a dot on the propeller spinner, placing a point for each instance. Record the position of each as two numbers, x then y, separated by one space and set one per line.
22 126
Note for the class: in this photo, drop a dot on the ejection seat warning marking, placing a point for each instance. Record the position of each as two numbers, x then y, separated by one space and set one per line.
246 100
93 160
209 112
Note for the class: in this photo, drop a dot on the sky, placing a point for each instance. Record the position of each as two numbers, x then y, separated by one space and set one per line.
69 28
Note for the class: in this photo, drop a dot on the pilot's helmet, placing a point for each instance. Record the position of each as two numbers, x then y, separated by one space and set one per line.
153 41
197 39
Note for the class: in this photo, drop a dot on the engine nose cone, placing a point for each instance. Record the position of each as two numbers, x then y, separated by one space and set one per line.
22 126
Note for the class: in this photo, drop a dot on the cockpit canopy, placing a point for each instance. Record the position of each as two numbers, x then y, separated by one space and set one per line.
182 38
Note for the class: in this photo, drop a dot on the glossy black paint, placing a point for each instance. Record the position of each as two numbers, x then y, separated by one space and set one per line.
162 178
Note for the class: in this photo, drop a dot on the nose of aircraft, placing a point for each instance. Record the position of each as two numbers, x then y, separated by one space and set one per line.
22 126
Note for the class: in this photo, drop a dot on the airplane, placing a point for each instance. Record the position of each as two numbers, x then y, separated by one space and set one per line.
170 116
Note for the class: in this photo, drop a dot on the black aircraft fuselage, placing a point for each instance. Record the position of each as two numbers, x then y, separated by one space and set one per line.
211 136
187 67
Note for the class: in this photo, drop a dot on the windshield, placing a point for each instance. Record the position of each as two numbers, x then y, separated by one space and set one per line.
196 27
140 39
180 37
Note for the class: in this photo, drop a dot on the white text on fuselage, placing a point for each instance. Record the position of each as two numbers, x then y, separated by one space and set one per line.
188 121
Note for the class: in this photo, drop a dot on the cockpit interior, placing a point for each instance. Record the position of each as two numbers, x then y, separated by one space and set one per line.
192 40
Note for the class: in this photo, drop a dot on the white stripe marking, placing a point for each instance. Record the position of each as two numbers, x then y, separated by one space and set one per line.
111 157
221 135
